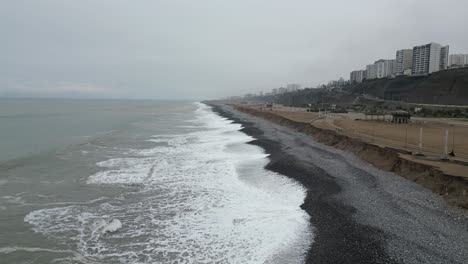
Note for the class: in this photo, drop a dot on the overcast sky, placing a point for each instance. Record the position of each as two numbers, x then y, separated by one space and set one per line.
187 49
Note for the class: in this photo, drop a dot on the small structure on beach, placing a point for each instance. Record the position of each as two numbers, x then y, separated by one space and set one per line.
400 117
374 116
267 106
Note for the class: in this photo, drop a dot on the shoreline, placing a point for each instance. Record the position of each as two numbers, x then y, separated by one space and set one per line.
453 188
357 220
320 200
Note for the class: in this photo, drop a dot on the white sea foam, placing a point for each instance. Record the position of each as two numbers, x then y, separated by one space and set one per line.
112 226
76 255
204 198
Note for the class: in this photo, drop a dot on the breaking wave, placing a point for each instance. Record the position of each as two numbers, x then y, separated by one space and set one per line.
203 197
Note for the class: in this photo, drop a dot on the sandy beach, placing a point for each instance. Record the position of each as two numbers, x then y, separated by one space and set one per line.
381 144
359 214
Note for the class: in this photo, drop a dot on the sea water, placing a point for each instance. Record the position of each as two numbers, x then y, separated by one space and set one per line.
156 182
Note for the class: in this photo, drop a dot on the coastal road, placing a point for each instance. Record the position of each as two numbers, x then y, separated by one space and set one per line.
359 213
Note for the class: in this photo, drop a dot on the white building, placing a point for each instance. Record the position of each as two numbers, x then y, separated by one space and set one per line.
385 68
371 71
457 60
337 83
292 87
403 61
341 81
444 54
282 90
429 58
380 69
357 76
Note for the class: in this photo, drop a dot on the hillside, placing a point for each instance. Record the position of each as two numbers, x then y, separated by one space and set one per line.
445 87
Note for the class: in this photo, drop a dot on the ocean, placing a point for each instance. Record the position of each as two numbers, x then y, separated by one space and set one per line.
96 181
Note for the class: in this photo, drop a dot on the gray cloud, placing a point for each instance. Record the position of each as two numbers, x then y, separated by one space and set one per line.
207 48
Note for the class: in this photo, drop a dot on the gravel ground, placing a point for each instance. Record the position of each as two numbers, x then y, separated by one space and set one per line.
360 214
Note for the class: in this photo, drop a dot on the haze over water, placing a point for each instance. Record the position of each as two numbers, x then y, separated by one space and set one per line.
174 182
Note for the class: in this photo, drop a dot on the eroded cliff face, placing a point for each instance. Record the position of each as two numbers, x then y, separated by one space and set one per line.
454 189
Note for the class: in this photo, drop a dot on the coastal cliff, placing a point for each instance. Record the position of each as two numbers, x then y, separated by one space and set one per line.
448 87
453 189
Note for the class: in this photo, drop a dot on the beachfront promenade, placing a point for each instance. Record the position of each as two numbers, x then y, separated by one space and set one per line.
399 136
368 212
388 146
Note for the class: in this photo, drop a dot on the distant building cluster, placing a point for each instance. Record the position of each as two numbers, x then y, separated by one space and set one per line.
281 90
292 87
336 83
417 61
420 60
289 88
458 60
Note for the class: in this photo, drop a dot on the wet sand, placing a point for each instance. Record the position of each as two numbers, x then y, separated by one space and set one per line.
359 213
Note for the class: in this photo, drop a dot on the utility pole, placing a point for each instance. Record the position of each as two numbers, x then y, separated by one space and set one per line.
420 142
406 136
444 157
452 153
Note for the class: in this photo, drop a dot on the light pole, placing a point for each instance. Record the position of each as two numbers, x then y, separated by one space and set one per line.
406 136
444 155
452 153
420 153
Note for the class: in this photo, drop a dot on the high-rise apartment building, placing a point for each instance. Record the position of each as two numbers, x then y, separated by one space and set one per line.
457 60
282 90
371 71
385 68
380 69
444 54
292 87
403 61
357 76
429 58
